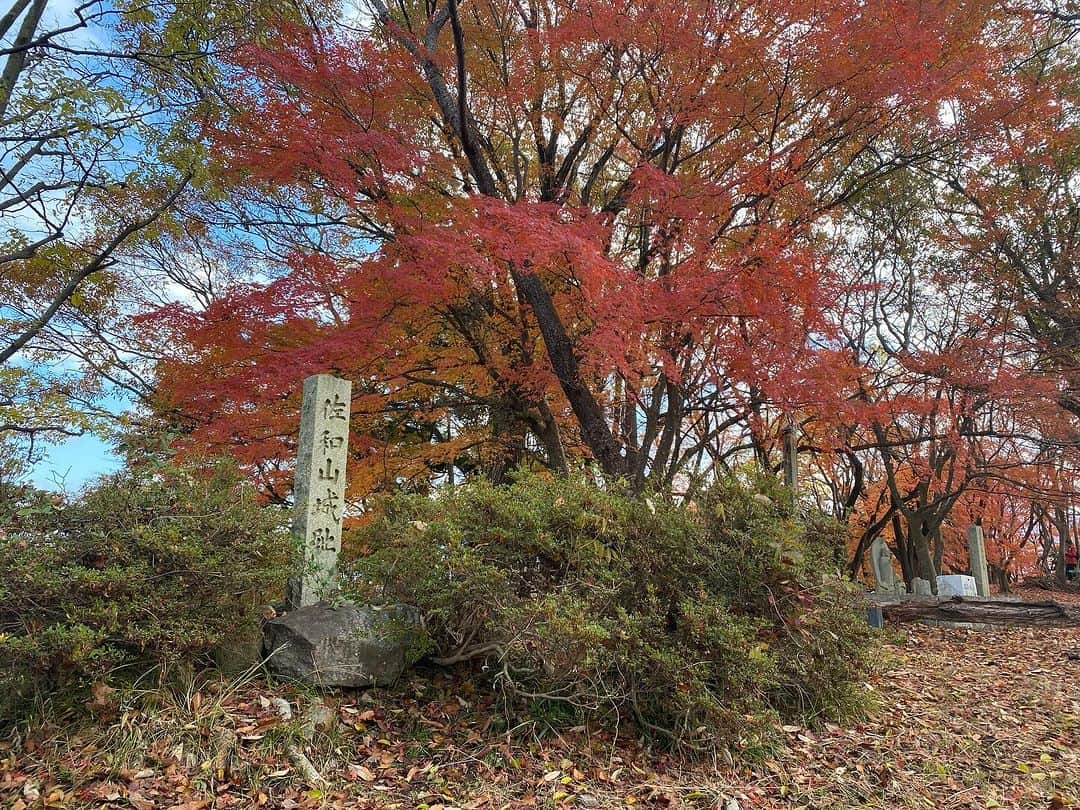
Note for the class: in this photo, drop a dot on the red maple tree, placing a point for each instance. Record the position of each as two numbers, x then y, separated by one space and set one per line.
568 228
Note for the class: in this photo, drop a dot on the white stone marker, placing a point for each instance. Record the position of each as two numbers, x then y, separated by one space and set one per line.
977 559
956 585
319 491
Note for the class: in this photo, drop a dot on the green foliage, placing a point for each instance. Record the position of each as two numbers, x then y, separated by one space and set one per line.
152 567
41 405
704 622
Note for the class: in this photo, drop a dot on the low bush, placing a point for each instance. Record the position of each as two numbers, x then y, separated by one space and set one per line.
151 567
704 623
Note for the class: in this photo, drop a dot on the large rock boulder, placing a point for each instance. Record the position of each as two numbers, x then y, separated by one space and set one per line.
340 645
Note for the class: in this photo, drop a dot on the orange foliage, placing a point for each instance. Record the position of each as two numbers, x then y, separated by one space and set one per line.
623 221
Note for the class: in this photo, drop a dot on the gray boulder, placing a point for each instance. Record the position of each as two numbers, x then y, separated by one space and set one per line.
340 645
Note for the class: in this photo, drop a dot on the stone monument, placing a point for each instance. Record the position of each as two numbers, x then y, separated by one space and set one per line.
319 491
920 586
977 560
956 585
881 563
330 643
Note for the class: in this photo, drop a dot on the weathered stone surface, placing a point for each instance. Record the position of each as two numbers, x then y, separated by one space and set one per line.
342 645
977 559
320 487
920 586
881 563
956 585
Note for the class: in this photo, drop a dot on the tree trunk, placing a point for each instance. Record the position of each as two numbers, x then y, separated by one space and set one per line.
939 548
921 541
1001 576
903 549
1061 523
548 433
595 431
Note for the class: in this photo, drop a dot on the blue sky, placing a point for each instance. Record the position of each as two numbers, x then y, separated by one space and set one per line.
71 464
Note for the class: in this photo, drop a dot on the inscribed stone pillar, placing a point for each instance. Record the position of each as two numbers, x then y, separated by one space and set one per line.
977 559
319 491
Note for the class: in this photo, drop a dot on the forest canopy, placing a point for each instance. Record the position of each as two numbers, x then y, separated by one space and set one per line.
656 242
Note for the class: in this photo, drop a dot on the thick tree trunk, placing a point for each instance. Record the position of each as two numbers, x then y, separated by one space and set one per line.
903 549
927 571
1001 577
595 431
548 432
939 549
509 451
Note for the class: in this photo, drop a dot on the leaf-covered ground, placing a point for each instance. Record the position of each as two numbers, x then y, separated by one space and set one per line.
965 719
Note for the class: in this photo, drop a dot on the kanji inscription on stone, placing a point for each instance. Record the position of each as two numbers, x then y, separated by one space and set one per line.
319 491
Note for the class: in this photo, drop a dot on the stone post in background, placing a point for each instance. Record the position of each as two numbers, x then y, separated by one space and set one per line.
977 559
791 458
319 491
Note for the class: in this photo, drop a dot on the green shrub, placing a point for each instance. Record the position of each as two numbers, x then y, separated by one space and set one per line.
704 622
151 567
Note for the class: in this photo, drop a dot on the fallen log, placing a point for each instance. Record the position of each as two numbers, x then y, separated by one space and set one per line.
1003 612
